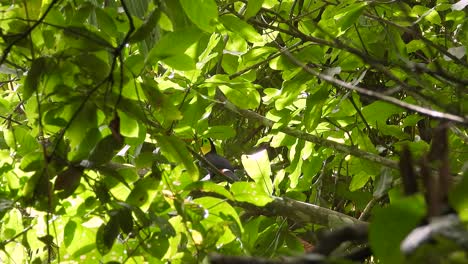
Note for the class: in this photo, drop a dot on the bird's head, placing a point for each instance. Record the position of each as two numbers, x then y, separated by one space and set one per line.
207 146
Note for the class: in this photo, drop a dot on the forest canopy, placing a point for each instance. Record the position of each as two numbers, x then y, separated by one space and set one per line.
340 115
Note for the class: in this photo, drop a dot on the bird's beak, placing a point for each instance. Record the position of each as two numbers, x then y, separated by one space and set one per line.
205 149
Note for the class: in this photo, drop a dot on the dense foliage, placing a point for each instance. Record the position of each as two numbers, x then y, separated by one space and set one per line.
104 103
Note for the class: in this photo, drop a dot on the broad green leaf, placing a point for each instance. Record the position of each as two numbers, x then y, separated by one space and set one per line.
145 30
314 108
243 97
250 192
258 168
241 27
33 161
143 192
69 232
125 220
84 39
129 126
291 89
175 150
33 79
348 15
220 212
202 13
156 245
253 6
106 22
176 43
210 187
105 150
220 132
84 117
181 62
379 111
106 235
359 180
92 66
68 180
391 224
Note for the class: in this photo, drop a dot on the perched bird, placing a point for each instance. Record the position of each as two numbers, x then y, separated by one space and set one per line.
208 149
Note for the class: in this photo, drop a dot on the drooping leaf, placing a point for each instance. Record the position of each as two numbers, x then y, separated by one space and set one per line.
258 168
202 13
32 162
251 193
220 132
33 79
145 30
176 152
106 235
125 220
241 27
253 7
68 180
243 97
105 150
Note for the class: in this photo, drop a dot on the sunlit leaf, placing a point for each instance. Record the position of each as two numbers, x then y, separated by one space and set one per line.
258 168
202 13
251 193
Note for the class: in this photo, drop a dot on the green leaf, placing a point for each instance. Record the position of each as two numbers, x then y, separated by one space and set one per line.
291 89
258 168
176 43
250 192
202 13
68 180
220 132
314 108
105 150
379 111
85 39
145 30
32 162
143 192
69 232
390 225
181 62
33 79
92 66
156 245
241 27
209 187
129 126
106 235
348 15
243 97
253 6
125 220
359 180
175 150
106 22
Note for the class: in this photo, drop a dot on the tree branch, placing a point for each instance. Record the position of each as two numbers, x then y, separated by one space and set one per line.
312 138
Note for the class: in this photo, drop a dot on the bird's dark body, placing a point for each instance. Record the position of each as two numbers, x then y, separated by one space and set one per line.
220 163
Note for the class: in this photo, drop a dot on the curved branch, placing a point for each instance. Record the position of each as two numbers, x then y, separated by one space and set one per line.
386 98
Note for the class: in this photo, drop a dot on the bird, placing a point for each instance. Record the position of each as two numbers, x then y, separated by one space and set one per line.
208 149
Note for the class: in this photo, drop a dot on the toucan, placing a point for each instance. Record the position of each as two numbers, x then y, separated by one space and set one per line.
222 164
